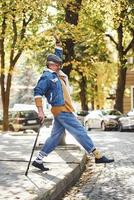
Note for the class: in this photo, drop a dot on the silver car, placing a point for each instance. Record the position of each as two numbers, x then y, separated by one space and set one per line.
127 122
105 119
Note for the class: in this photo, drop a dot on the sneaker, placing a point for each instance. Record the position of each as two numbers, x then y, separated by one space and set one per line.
103 159
40 166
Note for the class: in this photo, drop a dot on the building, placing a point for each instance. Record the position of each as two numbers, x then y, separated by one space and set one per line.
128 102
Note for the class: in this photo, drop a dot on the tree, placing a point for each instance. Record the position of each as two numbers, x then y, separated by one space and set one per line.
90 49
123 21
82 32
67 19
19 23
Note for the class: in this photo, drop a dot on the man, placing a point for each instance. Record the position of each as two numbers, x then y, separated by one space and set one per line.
53 84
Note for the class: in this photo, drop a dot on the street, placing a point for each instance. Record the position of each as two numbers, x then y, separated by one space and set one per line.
113 181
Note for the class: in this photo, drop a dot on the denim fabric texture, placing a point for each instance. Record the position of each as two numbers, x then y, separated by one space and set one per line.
50 86
59 52
68 121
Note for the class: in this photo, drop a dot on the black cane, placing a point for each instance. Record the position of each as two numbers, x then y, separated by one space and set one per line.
26 173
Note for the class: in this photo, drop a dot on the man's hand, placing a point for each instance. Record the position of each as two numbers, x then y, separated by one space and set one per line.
57 40
41 115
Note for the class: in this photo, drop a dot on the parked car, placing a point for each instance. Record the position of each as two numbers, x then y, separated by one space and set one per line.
21 120
105 119
127 122
111 120
81 114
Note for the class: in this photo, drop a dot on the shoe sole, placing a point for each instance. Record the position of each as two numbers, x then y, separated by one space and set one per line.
104 162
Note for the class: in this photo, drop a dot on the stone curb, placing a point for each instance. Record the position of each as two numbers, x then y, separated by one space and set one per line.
63 185
66 165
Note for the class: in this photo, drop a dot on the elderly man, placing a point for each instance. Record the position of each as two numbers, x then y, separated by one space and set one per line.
53 84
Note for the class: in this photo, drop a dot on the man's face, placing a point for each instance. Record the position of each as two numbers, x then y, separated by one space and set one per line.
55 67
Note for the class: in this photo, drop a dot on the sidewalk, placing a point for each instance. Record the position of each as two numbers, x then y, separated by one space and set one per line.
66 164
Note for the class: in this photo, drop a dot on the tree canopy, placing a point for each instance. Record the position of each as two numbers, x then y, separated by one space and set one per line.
90 59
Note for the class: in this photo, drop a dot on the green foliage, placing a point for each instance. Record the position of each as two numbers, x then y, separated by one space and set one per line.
20 23
30 26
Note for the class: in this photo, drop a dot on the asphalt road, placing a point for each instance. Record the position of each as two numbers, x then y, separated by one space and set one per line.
113 181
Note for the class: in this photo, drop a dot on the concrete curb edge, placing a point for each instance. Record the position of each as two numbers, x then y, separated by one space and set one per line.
63 185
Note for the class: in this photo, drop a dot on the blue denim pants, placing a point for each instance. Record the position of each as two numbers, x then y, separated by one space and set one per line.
68 121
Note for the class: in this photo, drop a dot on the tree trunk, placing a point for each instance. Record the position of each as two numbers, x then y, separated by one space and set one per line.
122 52
121 72
69 55
5 113
92 103
83 93
6 82
2 64
120 89
62 141
5 100
71 16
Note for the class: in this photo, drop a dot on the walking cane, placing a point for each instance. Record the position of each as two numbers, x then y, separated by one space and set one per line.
26 173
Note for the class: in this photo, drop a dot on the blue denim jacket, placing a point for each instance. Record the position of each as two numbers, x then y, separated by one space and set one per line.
49 85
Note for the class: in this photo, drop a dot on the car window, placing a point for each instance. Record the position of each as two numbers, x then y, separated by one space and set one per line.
105 112
82 113
23 114
95 113
13 114
28 114
111 112
114 112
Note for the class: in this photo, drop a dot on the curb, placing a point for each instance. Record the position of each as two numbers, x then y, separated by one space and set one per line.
63 185
66 165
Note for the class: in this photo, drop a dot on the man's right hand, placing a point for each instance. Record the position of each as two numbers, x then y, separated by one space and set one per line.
41 115
57 40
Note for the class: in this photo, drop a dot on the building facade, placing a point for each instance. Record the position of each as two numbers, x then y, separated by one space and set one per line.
128 102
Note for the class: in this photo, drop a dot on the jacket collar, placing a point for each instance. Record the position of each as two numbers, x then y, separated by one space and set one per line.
60 73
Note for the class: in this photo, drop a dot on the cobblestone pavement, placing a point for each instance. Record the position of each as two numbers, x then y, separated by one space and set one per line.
113 181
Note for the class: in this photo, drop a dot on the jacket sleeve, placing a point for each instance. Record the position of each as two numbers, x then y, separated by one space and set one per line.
59 52
40 90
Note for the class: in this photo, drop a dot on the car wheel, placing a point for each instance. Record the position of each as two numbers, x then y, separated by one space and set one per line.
103 126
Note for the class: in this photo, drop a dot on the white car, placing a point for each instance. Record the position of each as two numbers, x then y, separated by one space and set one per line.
106 119
127 122
93 119
81 114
